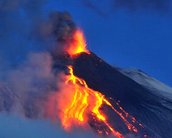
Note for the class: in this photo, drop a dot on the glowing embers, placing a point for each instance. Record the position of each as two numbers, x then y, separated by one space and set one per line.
77 44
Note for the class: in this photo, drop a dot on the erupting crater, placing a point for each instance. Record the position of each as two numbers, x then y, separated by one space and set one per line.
78 44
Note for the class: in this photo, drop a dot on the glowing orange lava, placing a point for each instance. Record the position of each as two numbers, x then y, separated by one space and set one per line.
75 101
78 44
83 101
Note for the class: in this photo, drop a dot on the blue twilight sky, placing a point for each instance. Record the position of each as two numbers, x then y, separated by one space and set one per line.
131 34
140 38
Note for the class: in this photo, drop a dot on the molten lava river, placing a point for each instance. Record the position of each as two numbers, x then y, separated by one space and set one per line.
75 101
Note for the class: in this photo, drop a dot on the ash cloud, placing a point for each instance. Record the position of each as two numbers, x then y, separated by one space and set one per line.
27 38
31 82
25 28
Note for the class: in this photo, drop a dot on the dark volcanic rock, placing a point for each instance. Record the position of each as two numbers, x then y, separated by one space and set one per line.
137 100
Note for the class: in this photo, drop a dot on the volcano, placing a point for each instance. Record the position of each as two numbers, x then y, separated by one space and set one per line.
111 101
151 105
139 105
138 94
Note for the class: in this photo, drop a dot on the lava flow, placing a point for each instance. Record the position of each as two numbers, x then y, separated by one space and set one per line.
81 103
75 101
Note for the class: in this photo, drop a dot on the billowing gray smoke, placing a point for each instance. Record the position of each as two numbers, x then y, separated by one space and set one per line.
25 28
27 38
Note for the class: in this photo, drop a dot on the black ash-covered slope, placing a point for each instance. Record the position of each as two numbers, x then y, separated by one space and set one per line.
151 109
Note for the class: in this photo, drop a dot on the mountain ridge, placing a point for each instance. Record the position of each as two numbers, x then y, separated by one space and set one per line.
148 107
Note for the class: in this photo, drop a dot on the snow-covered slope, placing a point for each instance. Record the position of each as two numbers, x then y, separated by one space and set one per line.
148 82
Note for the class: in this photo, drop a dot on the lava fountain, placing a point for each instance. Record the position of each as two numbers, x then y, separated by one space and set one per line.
75 101
78 44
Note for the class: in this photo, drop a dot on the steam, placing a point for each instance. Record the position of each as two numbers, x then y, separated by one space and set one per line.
14 126
17 127
31 81
27 46
28 38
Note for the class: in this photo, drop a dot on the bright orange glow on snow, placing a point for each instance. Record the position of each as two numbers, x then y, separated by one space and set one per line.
78 44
